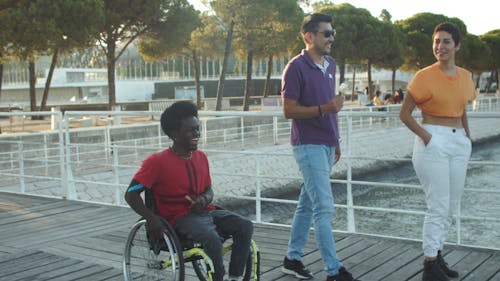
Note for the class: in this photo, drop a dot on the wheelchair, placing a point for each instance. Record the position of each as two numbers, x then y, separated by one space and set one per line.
167 259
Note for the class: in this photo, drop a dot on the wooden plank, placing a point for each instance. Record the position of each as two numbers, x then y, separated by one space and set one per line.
375 256
404 257
72 266
35 260
66 240
36 269
89 255
54 230
488 270
89 273
472 261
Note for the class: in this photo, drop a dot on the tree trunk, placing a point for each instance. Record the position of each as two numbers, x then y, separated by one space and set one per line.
393 87
490 80
370 83
196 68
222 76
248 81
49 79
32 84
353 82
341 73
1 79
498 81
268 76
110 57
478 79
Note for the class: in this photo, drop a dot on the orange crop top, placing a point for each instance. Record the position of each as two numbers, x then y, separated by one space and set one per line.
437 94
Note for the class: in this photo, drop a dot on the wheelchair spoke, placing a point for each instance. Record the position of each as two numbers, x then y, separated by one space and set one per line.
142 263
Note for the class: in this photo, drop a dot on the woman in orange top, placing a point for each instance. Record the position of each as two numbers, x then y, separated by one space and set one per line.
442 145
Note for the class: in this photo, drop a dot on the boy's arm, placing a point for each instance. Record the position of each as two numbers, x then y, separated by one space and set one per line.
134 199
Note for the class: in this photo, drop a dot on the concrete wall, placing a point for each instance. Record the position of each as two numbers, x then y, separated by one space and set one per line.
232 88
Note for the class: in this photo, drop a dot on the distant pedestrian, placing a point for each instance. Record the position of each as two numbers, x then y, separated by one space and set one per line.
376 100
442 145
308 90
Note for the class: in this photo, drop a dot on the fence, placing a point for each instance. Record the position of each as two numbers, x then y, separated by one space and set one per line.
376 191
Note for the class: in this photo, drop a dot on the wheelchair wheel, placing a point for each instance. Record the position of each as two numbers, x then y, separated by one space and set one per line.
144 261
252 266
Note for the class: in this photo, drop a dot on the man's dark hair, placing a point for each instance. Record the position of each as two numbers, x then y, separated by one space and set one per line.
451 29
311 22
173 115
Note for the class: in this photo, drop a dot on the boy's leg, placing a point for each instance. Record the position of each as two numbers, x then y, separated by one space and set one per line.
241 230
201 228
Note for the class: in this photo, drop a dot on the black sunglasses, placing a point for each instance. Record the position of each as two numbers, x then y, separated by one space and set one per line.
328 33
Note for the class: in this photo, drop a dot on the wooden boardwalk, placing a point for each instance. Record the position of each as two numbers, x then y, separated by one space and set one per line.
50 239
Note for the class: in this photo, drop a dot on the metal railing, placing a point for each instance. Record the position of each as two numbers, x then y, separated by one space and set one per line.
97 164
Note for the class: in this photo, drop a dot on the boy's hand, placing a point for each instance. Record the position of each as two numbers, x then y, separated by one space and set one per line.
197 205
155 230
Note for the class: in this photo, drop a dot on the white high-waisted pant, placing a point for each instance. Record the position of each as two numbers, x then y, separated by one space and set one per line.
441 167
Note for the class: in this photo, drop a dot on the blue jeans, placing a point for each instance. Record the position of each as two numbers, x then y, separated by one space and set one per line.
315 204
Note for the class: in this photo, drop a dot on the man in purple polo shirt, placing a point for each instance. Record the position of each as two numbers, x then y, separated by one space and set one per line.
308 91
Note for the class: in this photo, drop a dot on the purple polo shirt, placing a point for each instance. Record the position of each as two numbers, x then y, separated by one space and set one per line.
304 82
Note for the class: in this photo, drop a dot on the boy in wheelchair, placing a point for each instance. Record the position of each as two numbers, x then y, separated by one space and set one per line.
179 179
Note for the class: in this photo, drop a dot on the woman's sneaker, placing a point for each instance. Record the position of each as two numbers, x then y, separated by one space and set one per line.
433 272
444 266
295 267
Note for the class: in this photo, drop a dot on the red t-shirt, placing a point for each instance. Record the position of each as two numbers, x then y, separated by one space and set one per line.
171 178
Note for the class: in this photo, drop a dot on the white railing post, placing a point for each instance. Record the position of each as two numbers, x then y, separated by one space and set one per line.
204 135
159 135
258 206
370 118
116 172
22 186
275 129
351 223
77 153
45 153
459 224
242 132
70 183
62 163
107 141
258 133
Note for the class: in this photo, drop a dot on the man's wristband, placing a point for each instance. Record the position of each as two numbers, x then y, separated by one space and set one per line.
319 110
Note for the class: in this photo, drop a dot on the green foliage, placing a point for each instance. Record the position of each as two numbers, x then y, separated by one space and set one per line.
266 26
492 40
209 38
476 54
356 32
171 37
393 42
35 27
126 20
419 31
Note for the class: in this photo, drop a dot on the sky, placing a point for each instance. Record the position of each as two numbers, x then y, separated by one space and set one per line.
480 16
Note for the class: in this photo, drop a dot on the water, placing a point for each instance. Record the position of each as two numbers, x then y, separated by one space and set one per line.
474 203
